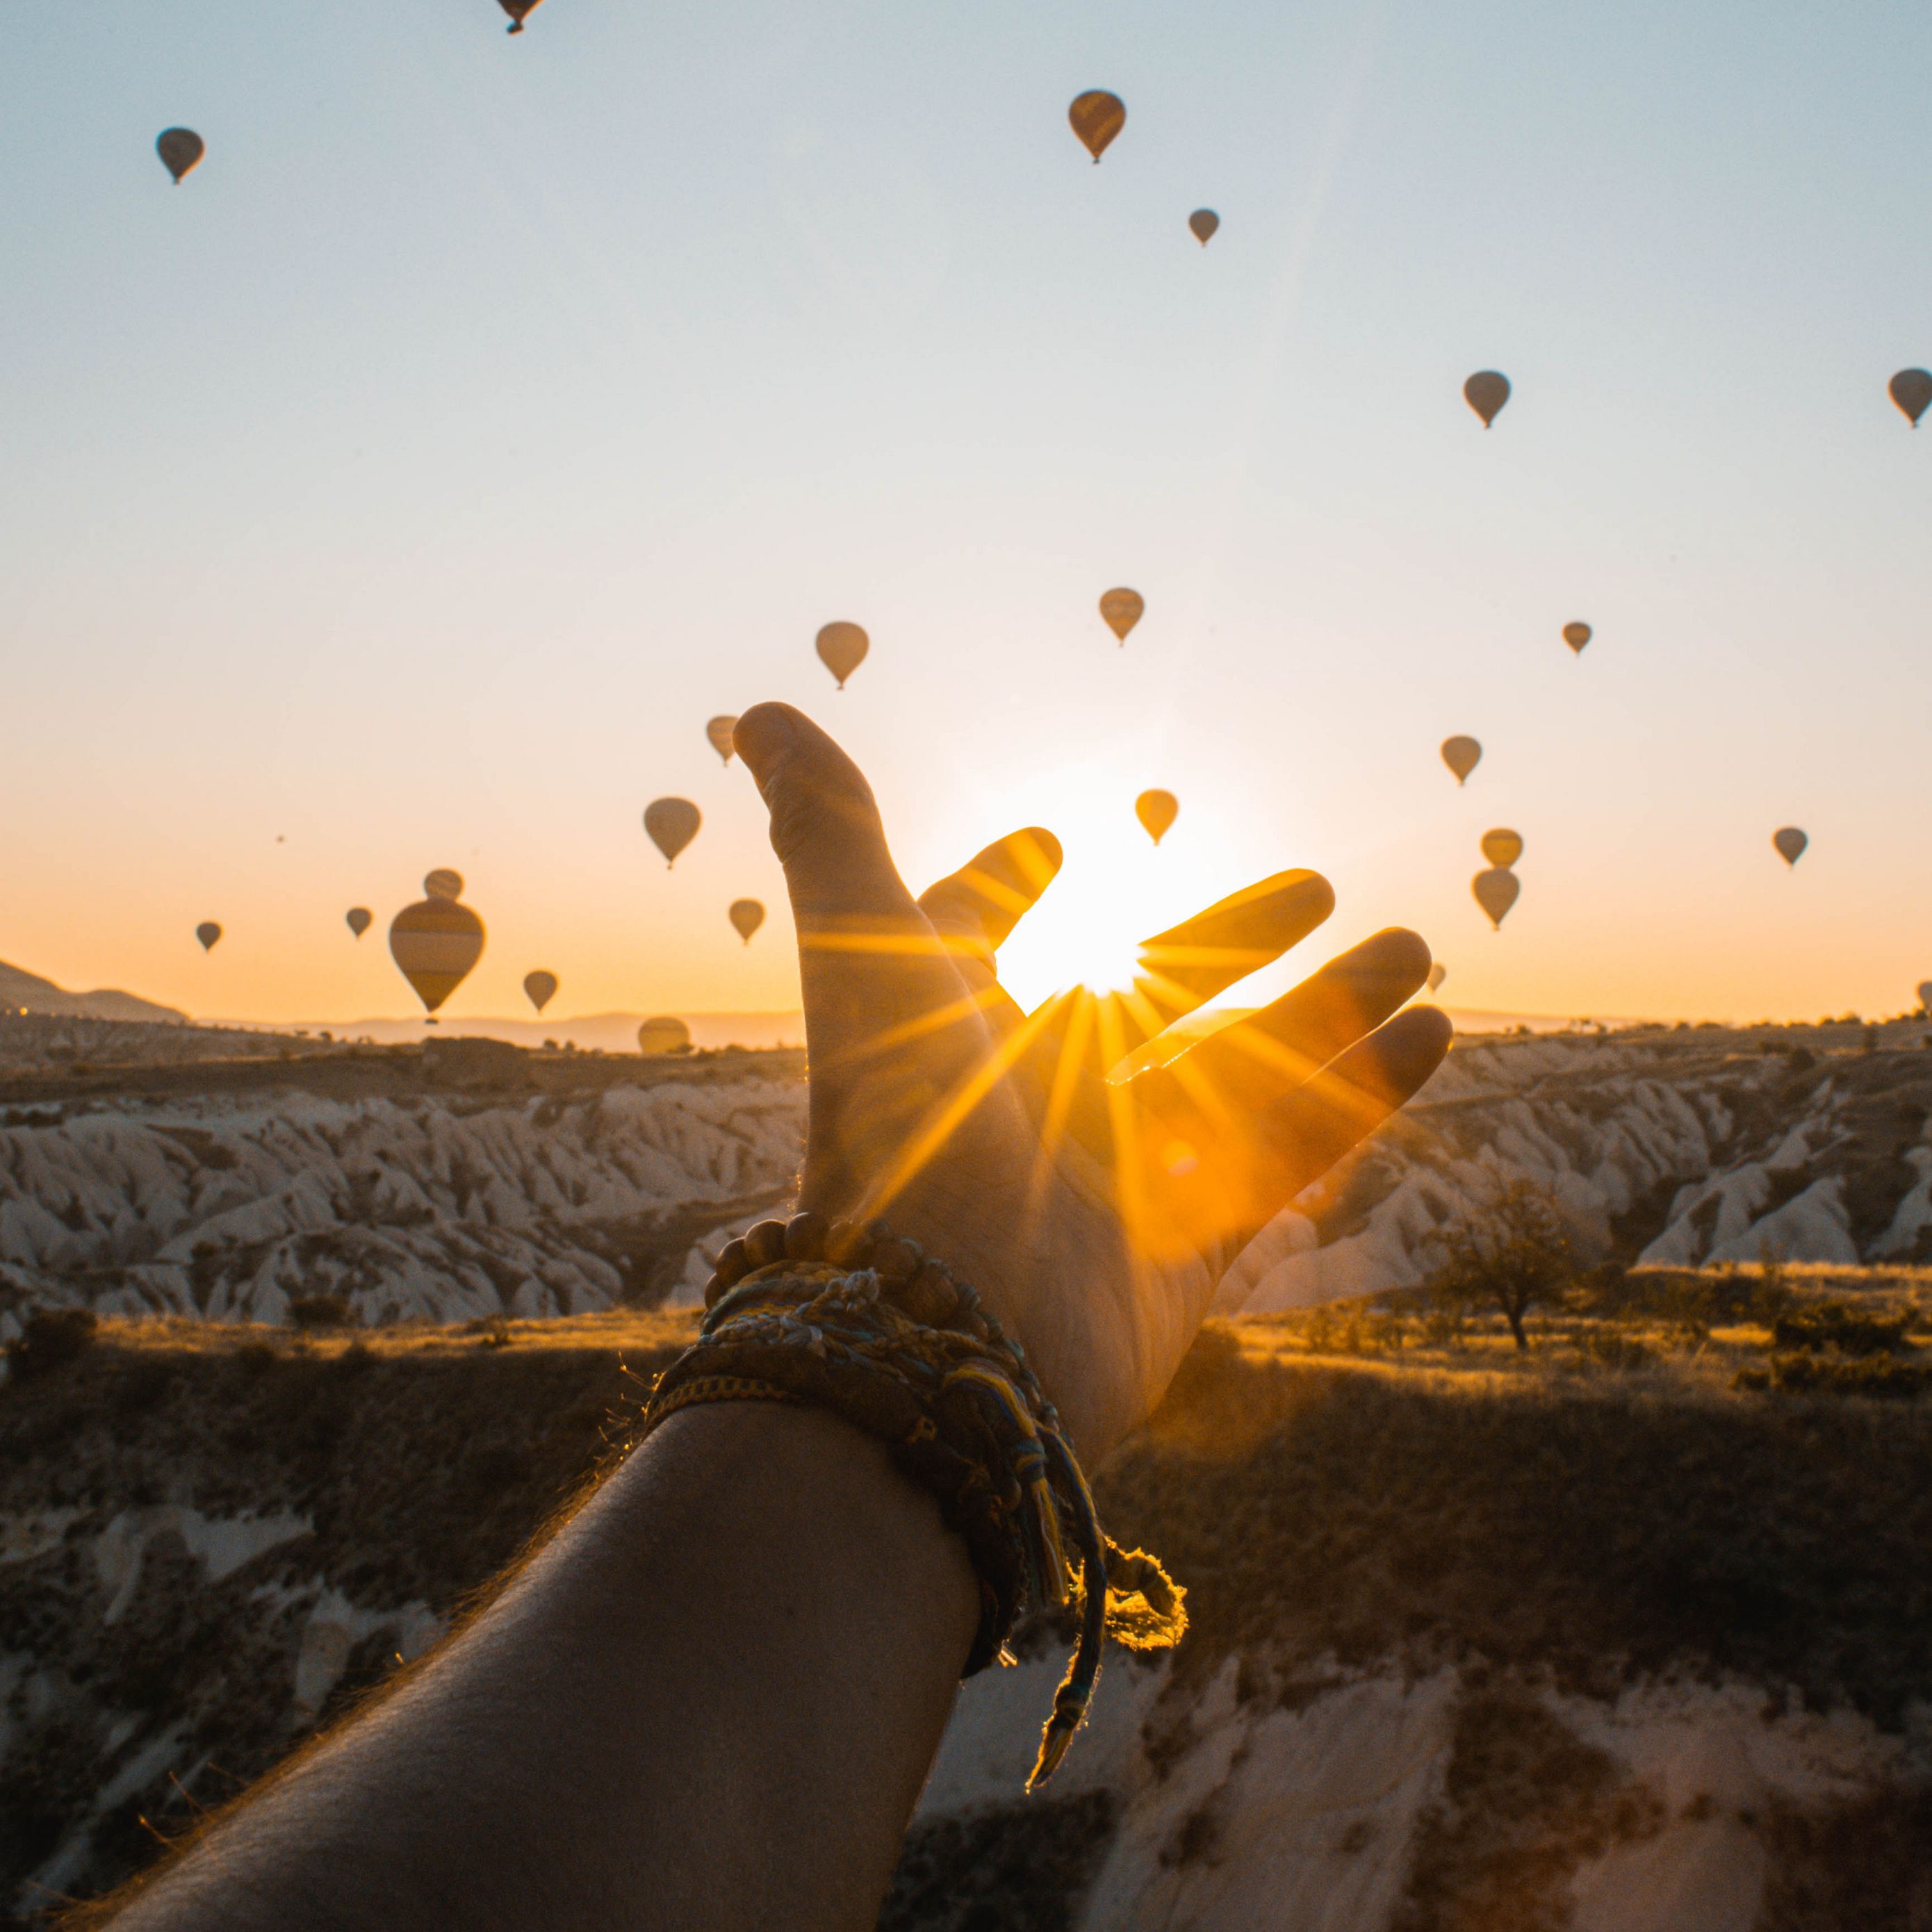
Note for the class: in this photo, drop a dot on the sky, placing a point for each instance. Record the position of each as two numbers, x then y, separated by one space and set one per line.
408 486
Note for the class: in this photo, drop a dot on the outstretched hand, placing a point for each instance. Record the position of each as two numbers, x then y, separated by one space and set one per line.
1094 1214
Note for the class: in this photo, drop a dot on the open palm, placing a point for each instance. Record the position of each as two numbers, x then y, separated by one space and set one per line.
1092 1178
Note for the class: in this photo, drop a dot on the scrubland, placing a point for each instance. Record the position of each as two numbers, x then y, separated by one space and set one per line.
1400 1533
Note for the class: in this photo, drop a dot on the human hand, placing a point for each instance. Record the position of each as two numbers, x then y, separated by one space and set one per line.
1093 1215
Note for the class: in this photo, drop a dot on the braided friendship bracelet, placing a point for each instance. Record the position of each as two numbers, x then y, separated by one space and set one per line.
854 1319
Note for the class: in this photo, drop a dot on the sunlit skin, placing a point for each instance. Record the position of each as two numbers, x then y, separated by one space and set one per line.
709 1703
1095 1213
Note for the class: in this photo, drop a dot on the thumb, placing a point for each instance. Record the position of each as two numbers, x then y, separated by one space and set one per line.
825 823
888 1021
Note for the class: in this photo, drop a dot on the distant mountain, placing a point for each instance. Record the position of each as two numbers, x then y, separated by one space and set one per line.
19 989
608 1033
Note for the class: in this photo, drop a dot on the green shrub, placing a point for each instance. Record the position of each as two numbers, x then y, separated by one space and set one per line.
1842 1327
50 1338
1607 1349
1692 1301
319 1311
1803 1374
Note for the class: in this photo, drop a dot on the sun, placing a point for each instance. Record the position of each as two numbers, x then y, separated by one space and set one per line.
1115 887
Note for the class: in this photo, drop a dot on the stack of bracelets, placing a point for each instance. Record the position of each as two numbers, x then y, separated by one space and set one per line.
852 1319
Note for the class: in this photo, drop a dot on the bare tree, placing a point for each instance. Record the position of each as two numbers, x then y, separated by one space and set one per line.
1511 1255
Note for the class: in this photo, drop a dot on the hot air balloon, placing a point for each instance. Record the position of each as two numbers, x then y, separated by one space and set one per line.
208 932
1790 843
539 988
436 942
1576 636
673 824
1462 755
1204 221
1122 609
1502 847
180 148
747 915
1912 391
719 729
842 648
1495 892
1156 812
663 1034
1486 392
360 920
1097 117
519 11
443 883
1925 996
1438 973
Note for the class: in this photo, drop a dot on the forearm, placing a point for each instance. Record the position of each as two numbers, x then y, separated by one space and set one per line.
709 1701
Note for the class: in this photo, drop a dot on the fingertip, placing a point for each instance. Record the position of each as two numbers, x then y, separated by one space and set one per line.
1397 953
764 734
1312 894
1040 853
1427 1033
1299 900
1272 915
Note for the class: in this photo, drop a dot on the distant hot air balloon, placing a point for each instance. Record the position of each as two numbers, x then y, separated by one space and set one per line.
208 932
1790 843
443 883
747 915
1576 636
360 920
1486 392
1156 812
1502 847
1462 755
673 824
1204 221
663 1034
519 11
539 988
1925 996
1495 892
1122 609
436 942
719 729
1912 391
180 148
1438 973
842 648
1097 116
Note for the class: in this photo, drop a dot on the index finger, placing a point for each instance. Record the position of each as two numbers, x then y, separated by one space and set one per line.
1188 964
982 901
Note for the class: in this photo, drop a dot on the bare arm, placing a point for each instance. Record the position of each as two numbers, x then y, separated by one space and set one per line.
710 1701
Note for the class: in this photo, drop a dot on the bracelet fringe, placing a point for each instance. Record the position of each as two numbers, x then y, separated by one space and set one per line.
860 1322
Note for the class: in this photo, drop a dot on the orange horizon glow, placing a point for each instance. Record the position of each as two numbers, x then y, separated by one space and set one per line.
410 484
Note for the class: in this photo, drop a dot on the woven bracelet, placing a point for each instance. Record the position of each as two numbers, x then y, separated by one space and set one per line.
858 1320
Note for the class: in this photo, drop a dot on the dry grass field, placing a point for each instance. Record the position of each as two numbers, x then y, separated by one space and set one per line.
218 1536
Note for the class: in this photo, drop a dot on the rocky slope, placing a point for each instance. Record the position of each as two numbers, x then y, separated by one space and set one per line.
480 1180
413 1193
1470 1649
1673 1148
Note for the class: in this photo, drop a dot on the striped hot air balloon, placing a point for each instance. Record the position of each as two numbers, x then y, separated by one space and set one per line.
436 942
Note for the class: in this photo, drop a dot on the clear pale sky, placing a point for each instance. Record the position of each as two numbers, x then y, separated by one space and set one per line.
483 414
